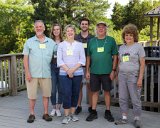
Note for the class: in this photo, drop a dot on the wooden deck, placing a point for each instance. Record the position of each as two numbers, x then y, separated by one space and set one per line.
14 113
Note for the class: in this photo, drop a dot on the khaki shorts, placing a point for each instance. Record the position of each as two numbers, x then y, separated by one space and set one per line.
43 83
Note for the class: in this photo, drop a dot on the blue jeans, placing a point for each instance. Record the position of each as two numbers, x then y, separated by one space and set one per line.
70 90
56 88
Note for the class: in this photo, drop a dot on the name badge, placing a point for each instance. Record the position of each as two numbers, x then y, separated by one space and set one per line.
100 49
69 52
42 46
125 58
84 45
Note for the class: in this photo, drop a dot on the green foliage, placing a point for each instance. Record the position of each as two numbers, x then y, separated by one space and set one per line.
69 11
14 24
132 13
117 16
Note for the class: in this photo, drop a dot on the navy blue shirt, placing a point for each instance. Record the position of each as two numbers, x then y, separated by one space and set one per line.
83 40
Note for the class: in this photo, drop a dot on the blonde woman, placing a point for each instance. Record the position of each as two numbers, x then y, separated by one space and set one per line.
70 58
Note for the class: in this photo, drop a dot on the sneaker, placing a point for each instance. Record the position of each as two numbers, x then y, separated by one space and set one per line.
137 124
121 121
74 118
66 120
31 118
53 112
93 115
58 113
46 117
108 116
78 110
89 109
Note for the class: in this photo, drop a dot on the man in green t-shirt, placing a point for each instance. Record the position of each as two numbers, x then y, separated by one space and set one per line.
100 68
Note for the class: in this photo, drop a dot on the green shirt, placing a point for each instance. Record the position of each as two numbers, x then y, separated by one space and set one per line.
101 52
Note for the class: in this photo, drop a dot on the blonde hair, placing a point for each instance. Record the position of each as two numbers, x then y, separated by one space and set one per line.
69 26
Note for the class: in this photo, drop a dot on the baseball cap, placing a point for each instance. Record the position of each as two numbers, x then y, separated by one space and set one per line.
101 22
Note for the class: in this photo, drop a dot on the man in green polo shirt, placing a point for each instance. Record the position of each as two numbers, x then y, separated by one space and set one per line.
100 68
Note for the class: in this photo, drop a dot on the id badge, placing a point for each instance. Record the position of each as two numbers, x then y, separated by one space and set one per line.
125 58
84 45
100 49
69 52
42 46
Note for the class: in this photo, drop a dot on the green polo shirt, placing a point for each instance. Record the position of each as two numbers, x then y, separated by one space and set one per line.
101 52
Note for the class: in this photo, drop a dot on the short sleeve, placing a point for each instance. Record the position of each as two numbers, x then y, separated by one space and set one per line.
26 48
141 51
114 48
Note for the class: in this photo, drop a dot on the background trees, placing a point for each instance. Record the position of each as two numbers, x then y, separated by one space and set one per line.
17 17
15 24
69 11
134 13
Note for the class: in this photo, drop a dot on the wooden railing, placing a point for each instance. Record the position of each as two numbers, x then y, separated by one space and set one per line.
11 74
12 79
151 85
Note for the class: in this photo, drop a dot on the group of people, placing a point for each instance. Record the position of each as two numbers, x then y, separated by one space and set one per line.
61 66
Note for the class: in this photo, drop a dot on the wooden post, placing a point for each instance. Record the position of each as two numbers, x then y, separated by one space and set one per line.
151 31
158 29
13 76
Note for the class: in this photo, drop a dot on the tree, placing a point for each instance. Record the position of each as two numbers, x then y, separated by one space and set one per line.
131 13
69 11
118 16
14 24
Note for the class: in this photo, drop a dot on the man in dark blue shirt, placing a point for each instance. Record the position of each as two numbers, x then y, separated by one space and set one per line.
84 36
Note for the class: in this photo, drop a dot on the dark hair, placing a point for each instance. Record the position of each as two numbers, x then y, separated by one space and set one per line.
84 19
52 28
130 29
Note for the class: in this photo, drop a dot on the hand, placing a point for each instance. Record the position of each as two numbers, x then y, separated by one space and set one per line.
71 76
112 75
139 83
87 75
28 77
70 71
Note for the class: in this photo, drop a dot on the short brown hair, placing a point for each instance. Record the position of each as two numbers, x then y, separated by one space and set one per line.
130 29
84 19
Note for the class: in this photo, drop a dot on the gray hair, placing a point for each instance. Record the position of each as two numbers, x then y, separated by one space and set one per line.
41 21
69 26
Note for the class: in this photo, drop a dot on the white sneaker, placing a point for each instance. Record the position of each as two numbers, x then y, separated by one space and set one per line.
53 112
74 118
66 120
58 113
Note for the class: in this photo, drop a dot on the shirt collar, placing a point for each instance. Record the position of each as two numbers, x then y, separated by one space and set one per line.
36 39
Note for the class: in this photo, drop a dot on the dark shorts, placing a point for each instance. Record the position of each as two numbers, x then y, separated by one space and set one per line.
96 81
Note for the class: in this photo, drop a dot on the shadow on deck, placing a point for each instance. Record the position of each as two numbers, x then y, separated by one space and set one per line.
14 113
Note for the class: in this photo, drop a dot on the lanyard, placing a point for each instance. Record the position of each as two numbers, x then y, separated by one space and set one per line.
104 42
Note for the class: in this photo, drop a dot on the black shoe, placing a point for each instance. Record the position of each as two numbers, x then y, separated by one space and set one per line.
78 110
46 117
93 115
108 116
31 118
89 109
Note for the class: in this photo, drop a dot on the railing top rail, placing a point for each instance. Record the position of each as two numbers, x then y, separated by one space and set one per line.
8 55
152 58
